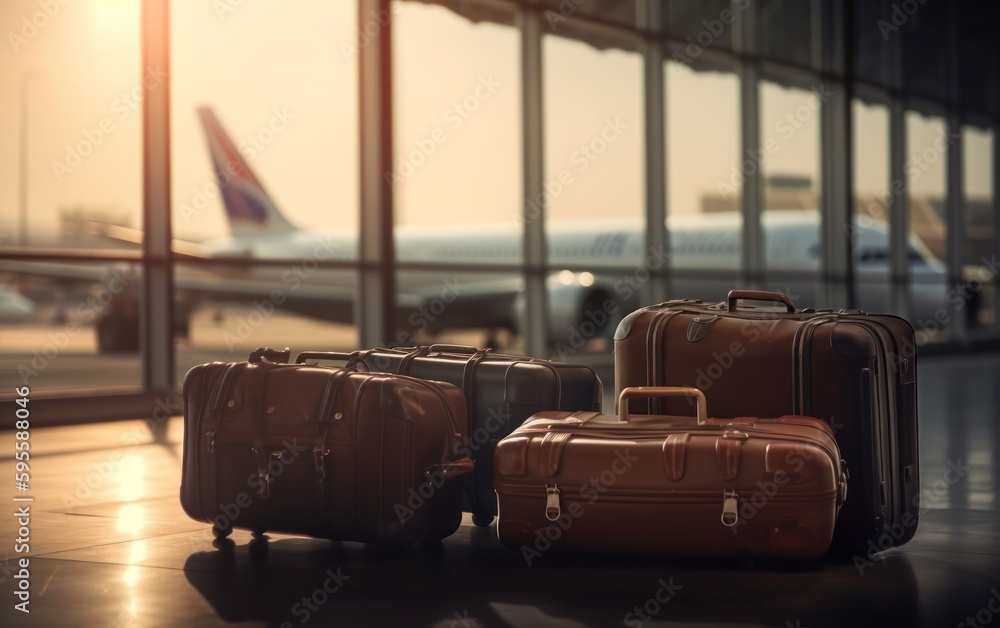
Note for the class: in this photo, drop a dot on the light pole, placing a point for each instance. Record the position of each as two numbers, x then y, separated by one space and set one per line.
23 187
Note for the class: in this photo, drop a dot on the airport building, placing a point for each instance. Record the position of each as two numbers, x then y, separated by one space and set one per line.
184 182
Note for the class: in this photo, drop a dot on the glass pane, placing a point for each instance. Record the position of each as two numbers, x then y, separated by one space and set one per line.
69 327
704 178
788 31
977 161
927 145
70 164
457 137
225 311
790 167
264 122
593 152
701 24
870 235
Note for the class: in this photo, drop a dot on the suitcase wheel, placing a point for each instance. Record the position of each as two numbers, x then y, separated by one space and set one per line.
483 521
221 533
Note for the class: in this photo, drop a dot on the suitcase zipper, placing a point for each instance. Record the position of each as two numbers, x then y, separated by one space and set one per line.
729 516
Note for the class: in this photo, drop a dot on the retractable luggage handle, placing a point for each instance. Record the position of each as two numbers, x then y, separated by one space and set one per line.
352 359
662 391
758 295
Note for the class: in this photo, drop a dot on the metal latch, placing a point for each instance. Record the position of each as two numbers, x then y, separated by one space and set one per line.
730 508
264 479
319 451
552 509
210 437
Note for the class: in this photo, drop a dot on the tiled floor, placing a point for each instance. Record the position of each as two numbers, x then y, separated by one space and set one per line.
110 546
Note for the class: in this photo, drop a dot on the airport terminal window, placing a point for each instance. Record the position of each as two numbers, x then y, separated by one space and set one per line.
926 164
977 197
593 167
790 169
283 87
704 176
457 136
71 183
264 166
872 202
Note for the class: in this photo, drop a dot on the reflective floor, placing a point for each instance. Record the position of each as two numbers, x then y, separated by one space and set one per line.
110 546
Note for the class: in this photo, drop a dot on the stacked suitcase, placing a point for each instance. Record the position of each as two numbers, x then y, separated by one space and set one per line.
812 443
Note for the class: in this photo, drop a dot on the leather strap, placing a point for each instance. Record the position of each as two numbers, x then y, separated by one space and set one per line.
219 398
255 383
674 449
551 451
728 452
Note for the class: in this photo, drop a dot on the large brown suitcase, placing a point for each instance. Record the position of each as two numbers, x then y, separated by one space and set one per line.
857 371
764 488
501 392
331 453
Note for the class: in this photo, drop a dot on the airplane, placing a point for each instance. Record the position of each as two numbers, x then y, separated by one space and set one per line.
14 306
432 302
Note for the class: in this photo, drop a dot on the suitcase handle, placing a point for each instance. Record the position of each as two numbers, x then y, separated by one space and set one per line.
267 354
446 348
661 391
758 295
352 359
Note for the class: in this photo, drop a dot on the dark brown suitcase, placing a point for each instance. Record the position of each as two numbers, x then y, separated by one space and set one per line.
857 371
501 391
331 453
711 488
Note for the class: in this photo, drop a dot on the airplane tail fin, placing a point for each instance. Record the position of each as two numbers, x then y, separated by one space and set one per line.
249 209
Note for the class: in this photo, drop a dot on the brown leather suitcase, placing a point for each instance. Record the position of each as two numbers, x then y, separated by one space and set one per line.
330 453
856 371
763 488
501 392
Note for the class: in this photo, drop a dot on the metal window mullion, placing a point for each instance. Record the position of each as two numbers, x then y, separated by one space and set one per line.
836 214
535 331
375 307
751 197
996 226
955 222
156 305
899 219
657 236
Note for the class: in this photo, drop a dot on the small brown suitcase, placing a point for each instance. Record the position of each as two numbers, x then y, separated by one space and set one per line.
856 371
762 488
331 453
